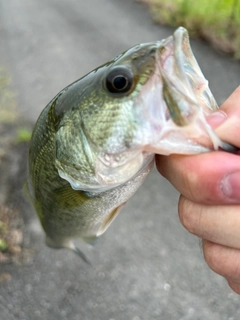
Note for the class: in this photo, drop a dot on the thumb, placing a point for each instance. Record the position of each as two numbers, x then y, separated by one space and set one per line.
226 121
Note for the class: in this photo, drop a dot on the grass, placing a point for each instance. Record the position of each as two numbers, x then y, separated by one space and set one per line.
23 134
217 21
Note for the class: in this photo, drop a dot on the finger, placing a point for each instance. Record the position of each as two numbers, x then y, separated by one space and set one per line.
235 286
232 102
210 178
218 224
224 261
226 121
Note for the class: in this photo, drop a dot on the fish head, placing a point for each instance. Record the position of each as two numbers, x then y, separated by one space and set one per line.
151 99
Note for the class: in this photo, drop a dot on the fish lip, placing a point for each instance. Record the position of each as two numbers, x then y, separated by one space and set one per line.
182 78
178 48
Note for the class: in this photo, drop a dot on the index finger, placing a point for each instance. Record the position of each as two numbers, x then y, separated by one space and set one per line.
201 178
226 121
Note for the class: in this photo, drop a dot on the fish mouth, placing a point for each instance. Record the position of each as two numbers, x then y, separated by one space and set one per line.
183 79
181 103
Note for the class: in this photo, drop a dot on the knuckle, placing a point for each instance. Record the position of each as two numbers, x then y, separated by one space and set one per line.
192 182
234 270
212 257
222 260
186 210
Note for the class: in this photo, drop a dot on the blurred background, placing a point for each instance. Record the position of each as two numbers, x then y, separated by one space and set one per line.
146 266
216 21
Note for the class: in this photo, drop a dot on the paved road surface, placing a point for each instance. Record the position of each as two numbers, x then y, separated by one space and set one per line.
146 266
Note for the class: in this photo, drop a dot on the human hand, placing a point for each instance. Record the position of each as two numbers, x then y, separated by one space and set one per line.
209 183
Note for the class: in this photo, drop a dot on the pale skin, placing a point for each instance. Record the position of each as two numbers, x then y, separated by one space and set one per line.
209 183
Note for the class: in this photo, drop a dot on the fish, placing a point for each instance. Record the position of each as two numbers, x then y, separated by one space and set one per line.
94 144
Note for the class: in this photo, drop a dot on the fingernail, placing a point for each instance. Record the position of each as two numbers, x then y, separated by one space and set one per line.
230 185
216 118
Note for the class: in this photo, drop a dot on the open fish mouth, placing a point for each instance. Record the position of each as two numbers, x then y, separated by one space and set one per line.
182 99
185 88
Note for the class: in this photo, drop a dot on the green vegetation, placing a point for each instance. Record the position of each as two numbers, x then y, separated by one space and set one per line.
23 134
3 245
218 21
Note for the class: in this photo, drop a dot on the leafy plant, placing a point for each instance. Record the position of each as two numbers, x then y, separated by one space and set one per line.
217 21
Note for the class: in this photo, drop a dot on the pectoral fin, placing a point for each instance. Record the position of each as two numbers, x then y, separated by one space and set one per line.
109 219
68 198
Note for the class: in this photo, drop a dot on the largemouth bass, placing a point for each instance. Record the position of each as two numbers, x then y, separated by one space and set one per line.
94 143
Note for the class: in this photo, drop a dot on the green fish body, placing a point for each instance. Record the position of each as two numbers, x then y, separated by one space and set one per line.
94 143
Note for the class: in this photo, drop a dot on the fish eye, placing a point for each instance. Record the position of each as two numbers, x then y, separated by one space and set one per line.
119 80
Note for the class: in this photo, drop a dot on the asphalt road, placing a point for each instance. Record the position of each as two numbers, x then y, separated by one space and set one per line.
146 266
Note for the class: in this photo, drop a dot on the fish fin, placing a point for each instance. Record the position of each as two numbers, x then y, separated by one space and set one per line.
78 252
91 240
66 197
109 219
66 245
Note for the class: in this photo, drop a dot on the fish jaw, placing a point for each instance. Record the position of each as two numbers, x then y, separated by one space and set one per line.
178 100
